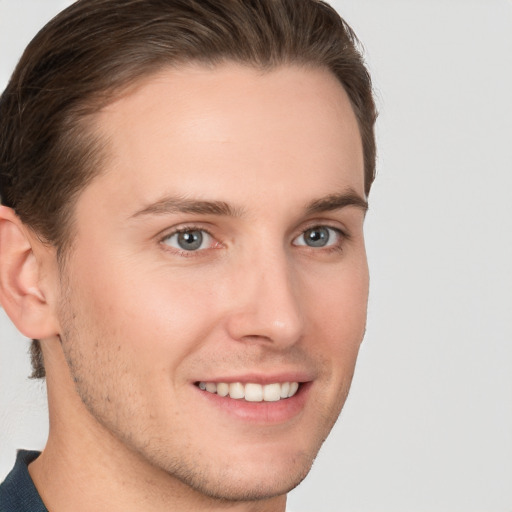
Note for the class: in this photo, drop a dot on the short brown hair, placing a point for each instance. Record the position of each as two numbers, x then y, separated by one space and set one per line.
91 50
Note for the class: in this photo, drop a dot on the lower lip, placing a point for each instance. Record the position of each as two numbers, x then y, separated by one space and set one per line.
280 411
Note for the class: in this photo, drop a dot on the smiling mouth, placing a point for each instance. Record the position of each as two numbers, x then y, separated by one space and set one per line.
251 392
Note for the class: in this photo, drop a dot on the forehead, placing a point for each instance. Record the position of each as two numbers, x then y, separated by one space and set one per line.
231 129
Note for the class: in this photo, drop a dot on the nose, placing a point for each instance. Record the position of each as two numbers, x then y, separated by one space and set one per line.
267 303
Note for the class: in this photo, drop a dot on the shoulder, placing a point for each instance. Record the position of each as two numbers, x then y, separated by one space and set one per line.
17 492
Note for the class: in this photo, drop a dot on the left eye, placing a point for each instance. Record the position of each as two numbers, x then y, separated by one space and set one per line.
319 236
189 240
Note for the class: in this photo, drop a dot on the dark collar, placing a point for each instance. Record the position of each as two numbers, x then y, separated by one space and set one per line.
18 492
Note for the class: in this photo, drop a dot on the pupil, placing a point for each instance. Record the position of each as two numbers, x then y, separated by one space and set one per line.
190 240
317 237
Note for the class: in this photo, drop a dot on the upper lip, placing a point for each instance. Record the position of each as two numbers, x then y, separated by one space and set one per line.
259 378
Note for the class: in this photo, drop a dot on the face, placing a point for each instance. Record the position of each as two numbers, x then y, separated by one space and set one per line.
219 267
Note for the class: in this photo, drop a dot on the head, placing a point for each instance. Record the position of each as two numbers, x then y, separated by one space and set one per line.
114 101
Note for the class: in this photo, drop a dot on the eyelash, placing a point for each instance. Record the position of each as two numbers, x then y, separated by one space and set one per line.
186 229
336 247
342 235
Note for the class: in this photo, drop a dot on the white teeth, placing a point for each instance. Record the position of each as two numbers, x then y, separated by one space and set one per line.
252 392
211 387
294 386
222 389
236 390
272 392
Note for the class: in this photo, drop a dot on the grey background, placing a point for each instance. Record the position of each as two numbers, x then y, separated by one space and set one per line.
428 424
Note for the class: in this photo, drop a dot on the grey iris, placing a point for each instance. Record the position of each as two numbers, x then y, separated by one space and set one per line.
190 240
316 237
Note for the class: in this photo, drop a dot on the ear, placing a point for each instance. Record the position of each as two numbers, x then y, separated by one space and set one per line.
21 292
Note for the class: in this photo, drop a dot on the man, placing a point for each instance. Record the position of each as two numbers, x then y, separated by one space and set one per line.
184 186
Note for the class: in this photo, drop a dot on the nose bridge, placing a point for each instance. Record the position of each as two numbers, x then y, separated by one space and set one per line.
269 305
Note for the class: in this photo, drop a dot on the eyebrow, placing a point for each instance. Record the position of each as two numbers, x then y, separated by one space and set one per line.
179 204
336 202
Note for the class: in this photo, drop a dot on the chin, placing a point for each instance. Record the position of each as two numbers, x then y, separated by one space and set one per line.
235 479
236 485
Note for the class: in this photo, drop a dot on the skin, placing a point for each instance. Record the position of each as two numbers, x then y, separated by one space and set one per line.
132 322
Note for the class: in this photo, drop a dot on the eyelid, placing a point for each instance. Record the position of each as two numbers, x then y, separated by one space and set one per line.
182 228
170 232
340 235
326 223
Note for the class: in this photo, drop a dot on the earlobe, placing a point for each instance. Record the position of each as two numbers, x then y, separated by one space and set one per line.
21 294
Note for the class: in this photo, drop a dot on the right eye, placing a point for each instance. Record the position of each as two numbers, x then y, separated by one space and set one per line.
189 240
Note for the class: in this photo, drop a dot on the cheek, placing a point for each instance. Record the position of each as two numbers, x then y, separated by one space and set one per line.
154 318
339 299
338 311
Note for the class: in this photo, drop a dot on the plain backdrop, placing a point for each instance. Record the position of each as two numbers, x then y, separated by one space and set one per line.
428 424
